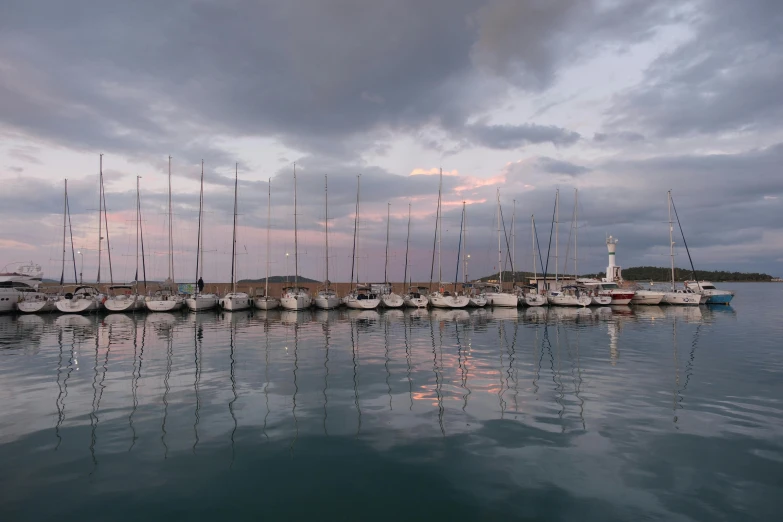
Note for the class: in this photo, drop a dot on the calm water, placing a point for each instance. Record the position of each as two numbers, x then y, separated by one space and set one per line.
608 414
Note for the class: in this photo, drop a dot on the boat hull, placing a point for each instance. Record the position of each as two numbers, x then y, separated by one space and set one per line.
235 302
621 298
723 299
645 297
361 304
600 300
124 304
416 302
501 299
301 302
78 306
201 302
163 305
671 298
449 301
266 303
392 301
326 302
36 306
477 301
569 300
535 300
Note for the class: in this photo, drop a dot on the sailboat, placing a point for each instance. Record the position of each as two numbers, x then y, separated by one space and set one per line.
265 302
415 297
677 296
296 297
499 297
199 301
234 300
31 300
126 298
442 298
361 297
476 297
564 295
87 299
388 298
326 298
532 297
166 298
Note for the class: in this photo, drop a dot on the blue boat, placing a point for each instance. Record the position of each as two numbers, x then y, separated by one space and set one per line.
713 295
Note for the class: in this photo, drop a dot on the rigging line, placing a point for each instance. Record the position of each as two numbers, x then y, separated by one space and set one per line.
106 222
73 250
459 249
507 257
687 250
538 247
549 248
434 241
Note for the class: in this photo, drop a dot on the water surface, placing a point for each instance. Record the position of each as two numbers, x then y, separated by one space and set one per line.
605 414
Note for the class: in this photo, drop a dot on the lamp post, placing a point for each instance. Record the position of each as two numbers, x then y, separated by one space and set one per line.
81 267
286 268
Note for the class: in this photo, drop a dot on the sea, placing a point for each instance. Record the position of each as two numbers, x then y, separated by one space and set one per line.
628 413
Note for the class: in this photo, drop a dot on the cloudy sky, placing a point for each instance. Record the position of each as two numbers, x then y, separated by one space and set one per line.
622 100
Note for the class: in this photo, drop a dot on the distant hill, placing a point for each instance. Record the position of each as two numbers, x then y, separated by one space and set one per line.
654 273
280 279
508 275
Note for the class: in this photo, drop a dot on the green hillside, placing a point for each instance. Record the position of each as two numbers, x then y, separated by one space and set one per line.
654 273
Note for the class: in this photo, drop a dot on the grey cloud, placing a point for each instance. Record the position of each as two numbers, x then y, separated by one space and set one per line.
726 78
556 166
516 136
618 137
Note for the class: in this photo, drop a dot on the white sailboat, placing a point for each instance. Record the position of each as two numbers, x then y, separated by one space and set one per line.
498 297
532 297
476 296
234 301
442 298
568 295
326 298
296 297
166 298
126 298
361 297
87 299
677 296
199 301
388 298
266 302
415 297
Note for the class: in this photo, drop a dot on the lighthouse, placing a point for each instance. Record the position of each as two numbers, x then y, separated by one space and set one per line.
613 272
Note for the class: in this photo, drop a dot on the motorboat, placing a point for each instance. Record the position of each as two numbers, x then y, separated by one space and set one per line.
83 300
569 296
17 281
647 297
123 298
416 298
681 296
707 289
296 298
362 298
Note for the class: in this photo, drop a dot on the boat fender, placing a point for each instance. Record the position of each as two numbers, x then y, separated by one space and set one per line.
69 295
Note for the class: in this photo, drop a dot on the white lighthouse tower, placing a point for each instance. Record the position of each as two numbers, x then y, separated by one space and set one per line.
613 272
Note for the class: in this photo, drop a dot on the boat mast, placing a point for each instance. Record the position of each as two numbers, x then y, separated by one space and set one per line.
576 232
671 238
358 208
106 226
407 242
386 261
326 227
200 232
513 244
533 239
65 213
464 244
557 230
268 218
296 238
500 252
440 231
234 236
136 282
141 233
355 224
70 231
171 234
100 217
